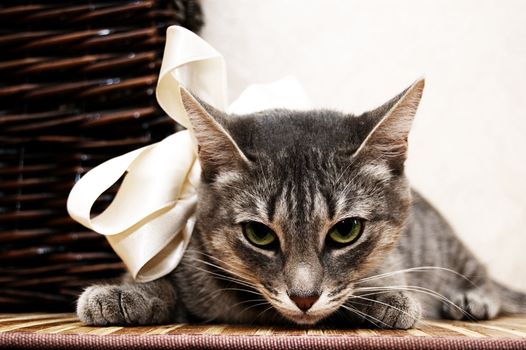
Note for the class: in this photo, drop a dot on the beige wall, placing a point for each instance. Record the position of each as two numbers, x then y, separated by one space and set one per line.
468 144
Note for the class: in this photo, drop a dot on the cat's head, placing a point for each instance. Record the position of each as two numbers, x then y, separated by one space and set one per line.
300 205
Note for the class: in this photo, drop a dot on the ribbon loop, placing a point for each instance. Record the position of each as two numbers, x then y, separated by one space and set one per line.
151 218
195 64
150 221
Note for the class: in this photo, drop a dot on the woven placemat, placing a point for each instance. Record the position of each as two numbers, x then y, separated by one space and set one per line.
61 331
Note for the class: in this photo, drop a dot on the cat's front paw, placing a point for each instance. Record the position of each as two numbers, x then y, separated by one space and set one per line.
117 305
472 304
396 310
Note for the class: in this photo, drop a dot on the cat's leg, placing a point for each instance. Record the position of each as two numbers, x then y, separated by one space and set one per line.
460 283
129 303
471 293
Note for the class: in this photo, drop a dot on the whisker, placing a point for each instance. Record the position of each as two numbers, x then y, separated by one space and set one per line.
248 301
253 306
385 304
224 277
415 269
230 278
213 294
419 289
234 272
356 302
235 290
365 316
262 312
210 263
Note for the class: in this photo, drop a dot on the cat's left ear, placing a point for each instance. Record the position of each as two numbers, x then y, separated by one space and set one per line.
217 151
388 138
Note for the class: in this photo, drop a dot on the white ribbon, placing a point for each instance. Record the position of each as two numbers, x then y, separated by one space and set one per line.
151 218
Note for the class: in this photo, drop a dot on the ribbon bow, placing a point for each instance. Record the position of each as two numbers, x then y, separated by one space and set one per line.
150 221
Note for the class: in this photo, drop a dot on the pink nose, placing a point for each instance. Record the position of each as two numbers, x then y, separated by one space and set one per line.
304 302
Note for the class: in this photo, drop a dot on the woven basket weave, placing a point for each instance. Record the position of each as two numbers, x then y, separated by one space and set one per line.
77 81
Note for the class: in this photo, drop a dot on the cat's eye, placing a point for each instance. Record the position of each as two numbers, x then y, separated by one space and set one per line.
346 231
259 235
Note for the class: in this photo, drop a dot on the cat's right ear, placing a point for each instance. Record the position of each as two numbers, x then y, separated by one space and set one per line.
217 151
388 138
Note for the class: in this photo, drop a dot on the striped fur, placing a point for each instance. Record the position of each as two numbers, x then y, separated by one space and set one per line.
300 173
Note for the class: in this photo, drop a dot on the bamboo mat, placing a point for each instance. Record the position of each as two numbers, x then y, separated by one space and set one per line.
35 328
67 323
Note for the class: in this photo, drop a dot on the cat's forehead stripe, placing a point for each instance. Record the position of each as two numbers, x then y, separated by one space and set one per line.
329 201
298 206
271 204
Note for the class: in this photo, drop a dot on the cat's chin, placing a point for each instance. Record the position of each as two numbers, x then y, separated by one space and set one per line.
306 318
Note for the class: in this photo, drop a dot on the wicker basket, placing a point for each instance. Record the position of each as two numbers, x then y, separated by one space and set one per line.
77 85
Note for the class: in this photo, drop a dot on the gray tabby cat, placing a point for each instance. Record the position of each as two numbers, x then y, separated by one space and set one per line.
307 218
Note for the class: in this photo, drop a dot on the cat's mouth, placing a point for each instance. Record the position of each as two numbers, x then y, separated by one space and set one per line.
317 312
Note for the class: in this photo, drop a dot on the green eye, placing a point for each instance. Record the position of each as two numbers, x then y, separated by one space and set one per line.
346 231
259 234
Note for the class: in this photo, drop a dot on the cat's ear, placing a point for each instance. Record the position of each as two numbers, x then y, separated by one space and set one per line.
388 138
217 151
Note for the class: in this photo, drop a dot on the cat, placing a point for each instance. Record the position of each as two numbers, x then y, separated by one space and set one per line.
307 218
